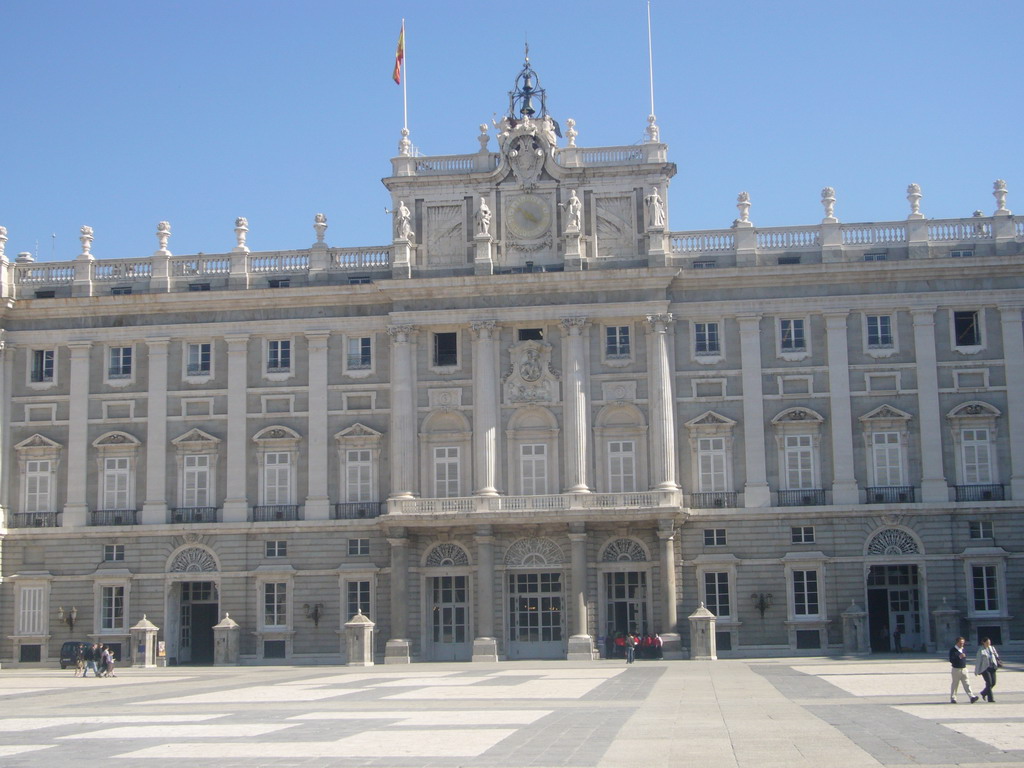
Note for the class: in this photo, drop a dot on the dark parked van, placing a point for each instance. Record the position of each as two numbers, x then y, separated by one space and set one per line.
69 652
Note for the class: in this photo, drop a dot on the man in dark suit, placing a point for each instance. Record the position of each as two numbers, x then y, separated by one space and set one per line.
958 667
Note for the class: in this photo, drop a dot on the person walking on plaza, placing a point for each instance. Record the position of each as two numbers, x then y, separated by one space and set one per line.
986 665
630 648
89 654
958 668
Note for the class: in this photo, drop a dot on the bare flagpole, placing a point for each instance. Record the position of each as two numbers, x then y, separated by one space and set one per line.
650 55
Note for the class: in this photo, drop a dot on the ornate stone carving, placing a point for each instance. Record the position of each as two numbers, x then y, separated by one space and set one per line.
483 138
534 552
445 238
624 550
570 132
892 541
615 227
573 213
652 130
163 233
914 198
447 555
655 208
660 323
403 222
449 397
743 206
320 226
999 193
531 378
86 238
573 326
484 329
404 145
483 219
3 241
526 154
194 560
401 334
828 201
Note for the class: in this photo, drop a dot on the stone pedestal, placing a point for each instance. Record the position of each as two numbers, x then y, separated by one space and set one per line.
396 651
226 642
947 625
573 253
401 264
359 641
702 635
483 263
581 648
671 646
143 643
486 649
657 248
855 630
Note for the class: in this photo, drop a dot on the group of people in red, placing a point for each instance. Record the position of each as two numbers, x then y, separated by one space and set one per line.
630 646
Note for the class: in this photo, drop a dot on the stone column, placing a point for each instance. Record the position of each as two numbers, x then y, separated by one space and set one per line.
396 650
933 480
576 407
485 406
662 415
236 503
76 509
669 617
154 508
1013 359
403 411
318 505
844 482
485 645
756 492
581 646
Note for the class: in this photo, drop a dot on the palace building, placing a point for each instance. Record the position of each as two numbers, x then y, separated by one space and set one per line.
536 418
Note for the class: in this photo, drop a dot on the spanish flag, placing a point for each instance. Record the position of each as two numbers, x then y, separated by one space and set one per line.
399 57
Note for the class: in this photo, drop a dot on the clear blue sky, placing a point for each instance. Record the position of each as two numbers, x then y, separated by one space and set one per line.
119 114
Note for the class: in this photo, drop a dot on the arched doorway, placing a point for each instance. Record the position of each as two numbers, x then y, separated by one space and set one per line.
625 590
895 594
535 581
448 636
193 603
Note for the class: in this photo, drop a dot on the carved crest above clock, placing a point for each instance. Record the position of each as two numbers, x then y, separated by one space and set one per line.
531 378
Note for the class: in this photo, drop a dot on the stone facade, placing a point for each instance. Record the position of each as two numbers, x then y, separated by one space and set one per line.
538 418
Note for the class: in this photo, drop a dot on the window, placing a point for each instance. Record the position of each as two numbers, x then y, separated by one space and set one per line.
116 482
704 265
197 287
805 593
277 548
531 334
359 280
275 604
714 537
359 354
705 339
446 349
716 592
357 597
38 473
359 475
120 363
358 547
616 341
961 253
799 462
621 466
876 256
802 534
42 366
113 553
196 481
966 329
783 260
791 334
887 459
281 282
981 529
879 328
112 608
277 476
121 290
46 294
31 609
976 457
279 356
533 467
711 464
446 472
985 585
199 359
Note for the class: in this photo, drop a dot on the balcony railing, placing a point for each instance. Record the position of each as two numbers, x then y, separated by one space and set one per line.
271 512
889 494
803 497
113 517
543 503
194 515
358 510
35 520
979 493
712 499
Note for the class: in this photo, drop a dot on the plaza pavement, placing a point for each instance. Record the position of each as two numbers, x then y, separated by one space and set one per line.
751 713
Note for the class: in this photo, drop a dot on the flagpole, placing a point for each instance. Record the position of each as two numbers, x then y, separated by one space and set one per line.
405 83
650 54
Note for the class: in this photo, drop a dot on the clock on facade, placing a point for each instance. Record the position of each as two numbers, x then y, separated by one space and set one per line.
529 217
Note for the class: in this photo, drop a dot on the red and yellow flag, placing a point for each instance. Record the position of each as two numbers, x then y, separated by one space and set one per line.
399 57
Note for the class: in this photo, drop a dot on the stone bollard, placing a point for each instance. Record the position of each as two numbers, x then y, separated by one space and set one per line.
225 642
359 640
143 640
702 635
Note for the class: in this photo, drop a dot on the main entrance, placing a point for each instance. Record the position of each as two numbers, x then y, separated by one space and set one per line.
536 621
625 603
894 604
197 617
449 632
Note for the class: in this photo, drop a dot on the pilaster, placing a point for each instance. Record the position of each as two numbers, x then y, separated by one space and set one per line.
403 411
318 505
485 645
581 646
575 407
236 503
933 480
485 406
844 483
397 647
1013 359
154 508
756 492
76 508
662 415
